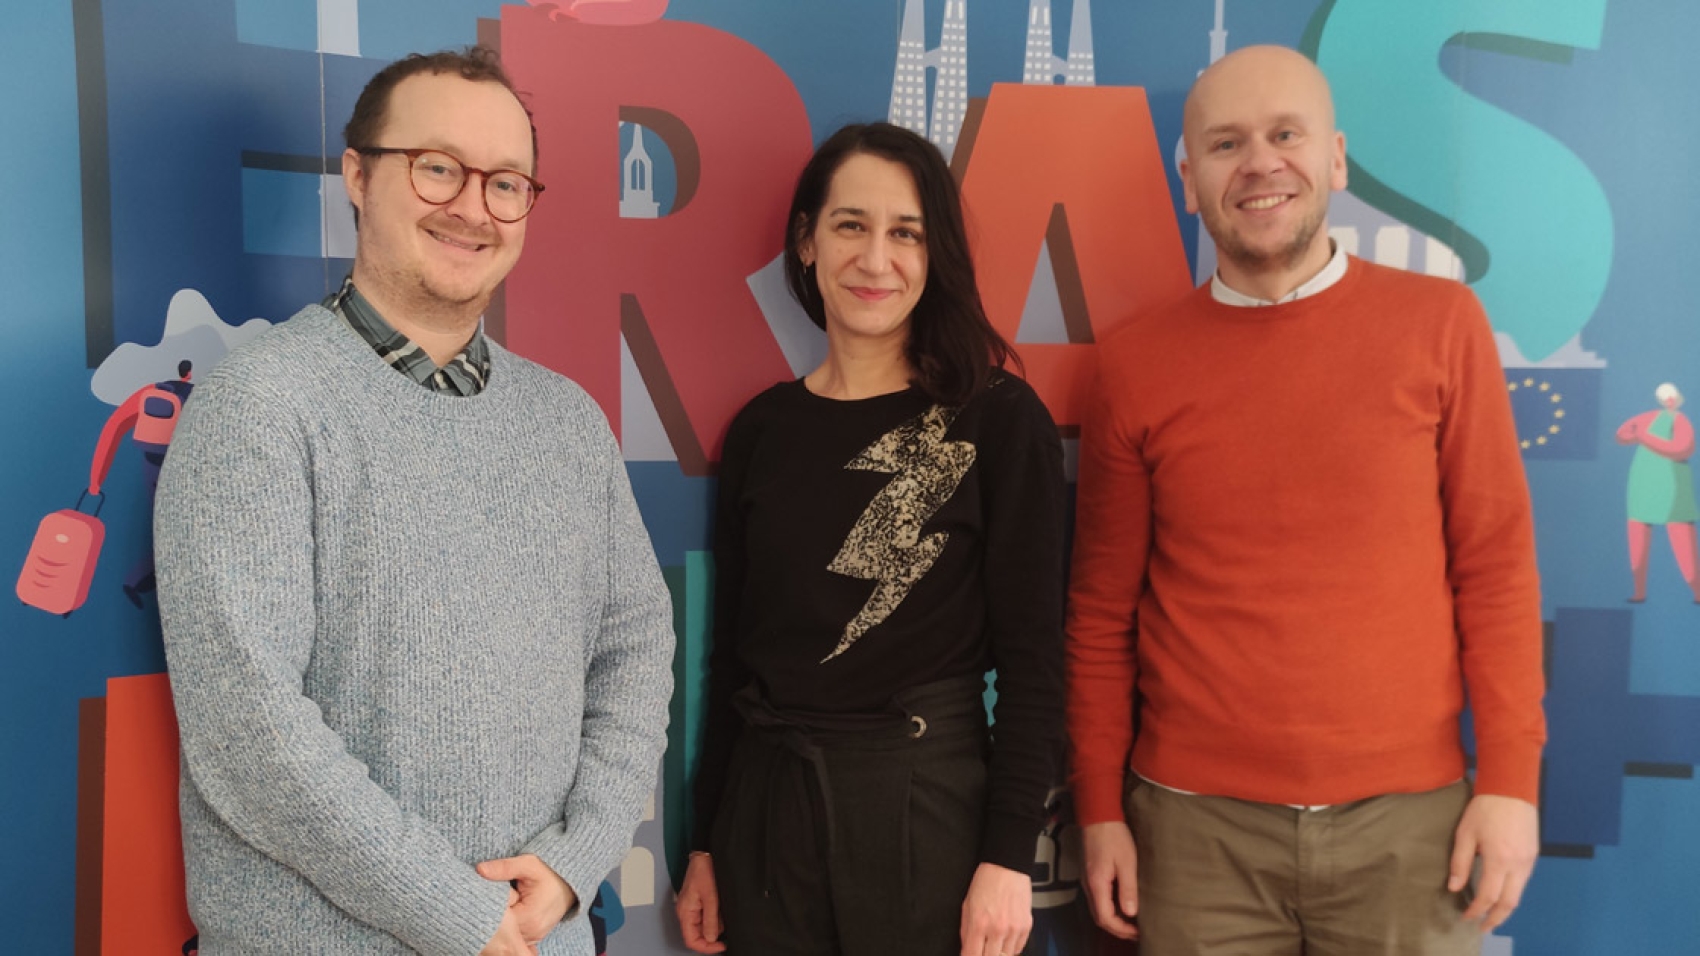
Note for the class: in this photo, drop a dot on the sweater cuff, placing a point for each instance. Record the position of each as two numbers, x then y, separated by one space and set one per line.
1098 797
1010 842
1509 769
466 915
702 833
572 856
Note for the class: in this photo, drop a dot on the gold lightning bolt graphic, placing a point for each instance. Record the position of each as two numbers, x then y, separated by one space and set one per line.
886 544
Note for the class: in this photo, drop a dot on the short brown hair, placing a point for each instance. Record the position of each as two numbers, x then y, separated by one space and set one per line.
477 63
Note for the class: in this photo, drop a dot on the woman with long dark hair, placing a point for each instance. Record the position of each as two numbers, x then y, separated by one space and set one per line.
889 527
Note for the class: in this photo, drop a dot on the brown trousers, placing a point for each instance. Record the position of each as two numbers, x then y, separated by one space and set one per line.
1235 878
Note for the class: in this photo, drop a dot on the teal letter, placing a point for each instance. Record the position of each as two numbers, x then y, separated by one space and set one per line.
693 607
1529 220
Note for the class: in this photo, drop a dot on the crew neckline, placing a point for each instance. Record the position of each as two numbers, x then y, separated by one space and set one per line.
803 386
404 392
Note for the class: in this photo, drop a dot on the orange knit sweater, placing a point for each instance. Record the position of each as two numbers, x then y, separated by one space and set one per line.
1303 534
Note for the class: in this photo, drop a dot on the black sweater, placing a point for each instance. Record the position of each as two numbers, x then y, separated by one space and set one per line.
865 547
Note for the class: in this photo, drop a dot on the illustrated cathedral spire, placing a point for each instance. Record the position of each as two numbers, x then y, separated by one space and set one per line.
909 109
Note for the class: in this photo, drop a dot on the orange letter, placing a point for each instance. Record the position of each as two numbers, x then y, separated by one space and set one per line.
1082 168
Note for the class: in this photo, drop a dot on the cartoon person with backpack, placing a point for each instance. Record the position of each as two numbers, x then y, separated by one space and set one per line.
150 416
62 558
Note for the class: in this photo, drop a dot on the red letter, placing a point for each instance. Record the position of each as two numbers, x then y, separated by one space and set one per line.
675 285
141 902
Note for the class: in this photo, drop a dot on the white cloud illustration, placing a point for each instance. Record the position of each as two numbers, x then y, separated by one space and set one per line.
193 331
1570 355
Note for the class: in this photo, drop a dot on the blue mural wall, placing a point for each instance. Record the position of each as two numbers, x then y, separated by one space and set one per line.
172 192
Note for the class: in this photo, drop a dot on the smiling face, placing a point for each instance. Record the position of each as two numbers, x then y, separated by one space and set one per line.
416 261
1262 157
869 251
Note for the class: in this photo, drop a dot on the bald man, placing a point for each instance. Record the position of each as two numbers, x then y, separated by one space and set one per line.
1303 538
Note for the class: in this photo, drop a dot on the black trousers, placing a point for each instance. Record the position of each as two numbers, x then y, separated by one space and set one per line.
853 836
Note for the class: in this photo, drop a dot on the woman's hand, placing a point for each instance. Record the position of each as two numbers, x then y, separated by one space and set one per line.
998 913
698 907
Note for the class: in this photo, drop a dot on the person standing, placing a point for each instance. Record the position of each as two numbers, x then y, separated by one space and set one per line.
1303 537
1661 489
889 527
418 642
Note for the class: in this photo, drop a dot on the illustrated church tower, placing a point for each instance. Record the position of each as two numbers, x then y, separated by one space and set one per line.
637 181
1042 66
949 63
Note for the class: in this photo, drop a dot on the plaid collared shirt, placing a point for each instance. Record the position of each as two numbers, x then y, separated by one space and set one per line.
464 375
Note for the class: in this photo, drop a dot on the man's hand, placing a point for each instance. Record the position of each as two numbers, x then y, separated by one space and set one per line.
698 906
997 915
1506 833
508 941
544 898
1112 877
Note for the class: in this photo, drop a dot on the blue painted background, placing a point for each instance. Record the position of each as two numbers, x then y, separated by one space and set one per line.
199 92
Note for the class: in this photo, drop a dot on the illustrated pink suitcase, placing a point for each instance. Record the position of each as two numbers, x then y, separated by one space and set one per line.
62 558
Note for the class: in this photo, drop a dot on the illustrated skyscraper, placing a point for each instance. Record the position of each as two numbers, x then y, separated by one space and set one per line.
1206 246
909 79
1042 66
949 63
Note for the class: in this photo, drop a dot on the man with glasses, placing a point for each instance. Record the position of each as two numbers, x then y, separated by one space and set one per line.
418 641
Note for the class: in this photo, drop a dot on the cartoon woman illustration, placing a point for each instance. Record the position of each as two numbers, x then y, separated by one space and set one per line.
1661 488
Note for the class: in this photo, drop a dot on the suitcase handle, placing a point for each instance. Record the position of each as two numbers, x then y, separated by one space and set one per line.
99 500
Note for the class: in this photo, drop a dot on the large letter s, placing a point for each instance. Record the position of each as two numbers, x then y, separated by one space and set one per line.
1530 221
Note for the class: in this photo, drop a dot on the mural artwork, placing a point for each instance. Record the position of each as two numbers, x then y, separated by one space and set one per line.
181 191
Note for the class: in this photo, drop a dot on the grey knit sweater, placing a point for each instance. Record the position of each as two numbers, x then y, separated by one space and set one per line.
406 632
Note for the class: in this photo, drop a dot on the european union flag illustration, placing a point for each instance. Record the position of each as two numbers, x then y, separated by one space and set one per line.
1557 411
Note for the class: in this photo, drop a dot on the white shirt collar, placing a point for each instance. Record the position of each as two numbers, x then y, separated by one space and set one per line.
1331 273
